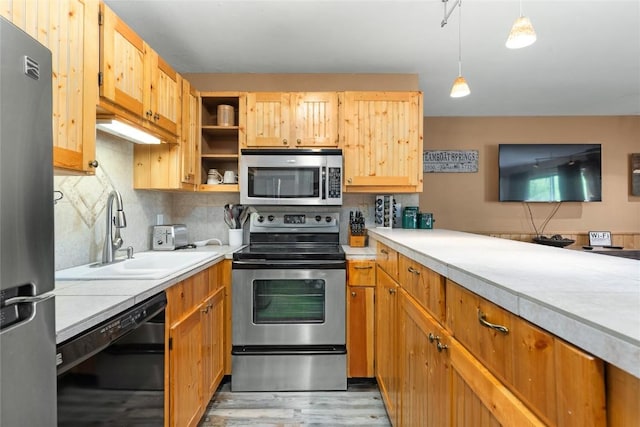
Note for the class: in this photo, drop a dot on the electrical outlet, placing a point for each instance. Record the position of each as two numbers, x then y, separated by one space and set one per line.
159 219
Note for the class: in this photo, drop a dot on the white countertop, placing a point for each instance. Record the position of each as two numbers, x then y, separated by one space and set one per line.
367 252
588 299
82 304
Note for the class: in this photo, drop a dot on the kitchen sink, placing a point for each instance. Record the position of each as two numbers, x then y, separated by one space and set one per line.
144 265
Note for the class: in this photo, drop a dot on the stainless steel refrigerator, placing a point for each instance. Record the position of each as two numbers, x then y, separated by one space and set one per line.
27 322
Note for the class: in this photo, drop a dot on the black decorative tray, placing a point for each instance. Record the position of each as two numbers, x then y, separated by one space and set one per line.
550 241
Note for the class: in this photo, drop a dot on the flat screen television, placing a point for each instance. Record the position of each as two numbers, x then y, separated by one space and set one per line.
550 172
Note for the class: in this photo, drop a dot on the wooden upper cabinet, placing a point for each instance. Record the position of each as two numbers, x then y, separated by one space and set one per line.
163 94
297 119
189 133
268 122
383 141
315 122
122 63
135 83
69 28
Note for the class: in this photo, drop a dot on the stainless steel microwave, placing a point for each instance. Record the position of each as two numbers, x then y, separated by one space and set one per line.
291 177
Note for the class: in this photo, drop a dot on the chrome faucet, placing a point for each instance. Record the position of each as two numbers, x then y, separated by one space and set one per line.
113 242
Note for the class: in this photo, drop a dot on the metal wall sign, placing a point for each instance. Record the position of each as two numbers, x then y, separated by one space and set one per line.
450 161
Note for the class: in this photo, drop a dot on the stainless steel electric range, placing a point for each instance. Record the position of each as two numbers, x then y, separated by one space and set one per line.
288 305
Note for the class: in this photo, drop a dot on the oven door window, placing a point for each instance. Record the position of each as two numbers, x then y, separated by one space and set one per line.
289 301
284 183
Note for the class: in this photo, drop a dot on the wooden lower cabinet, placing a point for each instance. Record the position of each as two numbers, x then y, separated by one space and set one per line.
623 398
426 371
361 282
185 371
213 341
194 360
360 336
443 384
224 274
386 356
560 383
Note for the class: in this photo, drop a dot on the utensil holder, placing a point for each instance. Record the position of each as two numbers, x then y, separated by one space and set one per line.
235 237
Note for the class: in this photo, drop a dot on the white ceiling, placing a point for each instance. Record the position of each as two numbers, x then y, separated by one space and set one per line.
586 60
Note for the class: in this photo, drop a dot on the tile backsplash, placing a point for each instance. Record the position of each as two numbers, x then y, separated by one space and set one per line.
80 219
80 215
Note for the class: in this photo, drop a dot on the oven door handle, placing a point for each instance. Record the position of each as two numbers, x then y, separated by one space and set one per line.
289 264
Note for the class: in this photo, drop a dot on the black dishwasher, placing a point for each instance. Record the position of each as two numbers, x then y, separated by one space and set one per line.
113 373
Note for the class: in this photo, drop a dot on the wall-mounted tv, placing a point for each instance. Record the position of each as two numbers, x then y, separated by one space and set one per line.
550 172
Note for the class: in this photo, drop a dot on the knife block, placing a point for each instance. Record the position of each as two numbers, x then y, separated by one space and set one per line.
359 241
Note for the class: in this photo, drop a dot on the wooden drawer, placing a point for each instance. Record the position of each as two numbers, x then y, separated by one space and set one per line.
424 284
387 259
361 273
560 383
185 296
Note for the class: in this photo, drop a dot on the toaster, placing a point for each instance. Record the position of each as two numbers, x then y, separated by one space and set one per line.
169 237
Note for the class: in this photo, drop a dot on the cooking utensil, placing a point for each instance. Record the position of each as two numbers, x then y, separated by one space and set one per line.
228 217
245 214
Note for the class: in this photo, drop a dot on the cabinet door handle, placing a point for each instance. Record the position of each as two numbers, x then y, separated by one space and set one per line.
441 346
384 251
349 180
353 294
363 267
156 116
413 270
482 319
94 164
433 338
284 142
298 141
392 291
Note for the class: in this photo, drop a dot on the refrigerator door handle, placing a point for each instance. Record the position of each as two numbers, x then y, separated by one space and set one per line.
23 300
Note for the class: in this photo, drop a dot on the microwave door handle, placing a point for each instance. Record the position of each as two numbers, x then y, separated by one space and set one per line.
323 187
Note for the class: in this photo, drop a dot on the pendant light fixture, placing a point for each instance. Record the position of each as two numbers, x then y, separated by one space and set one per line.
460 87
522 33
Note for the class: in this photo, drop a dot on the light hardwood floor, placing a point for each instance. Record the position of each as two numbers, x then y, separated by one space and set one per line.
360 405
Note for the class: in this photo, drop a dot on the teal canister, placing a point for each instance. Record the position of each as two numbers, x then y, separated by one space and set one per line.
425 220
410 217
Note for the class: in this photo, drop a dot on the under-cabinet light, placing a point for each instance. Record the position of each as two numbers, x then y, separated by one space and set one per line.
126 131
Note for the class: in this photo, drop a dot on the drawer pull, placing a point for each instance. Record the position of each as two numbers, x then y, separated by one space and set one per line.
392 291
363 267
482 319
441 346
413 270
433 338
384 251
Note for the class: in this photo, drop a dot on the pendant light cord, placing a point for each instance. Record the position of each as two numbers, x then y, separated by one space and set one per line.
460 38
521 9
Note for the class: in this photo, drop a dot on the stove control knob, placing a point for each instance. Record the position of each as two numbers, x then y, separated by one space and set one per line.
260 218
328 219
318 218
271 218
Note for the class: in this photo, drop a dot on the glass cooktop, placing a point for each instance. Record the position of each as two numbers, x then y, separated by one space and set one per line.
297 251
